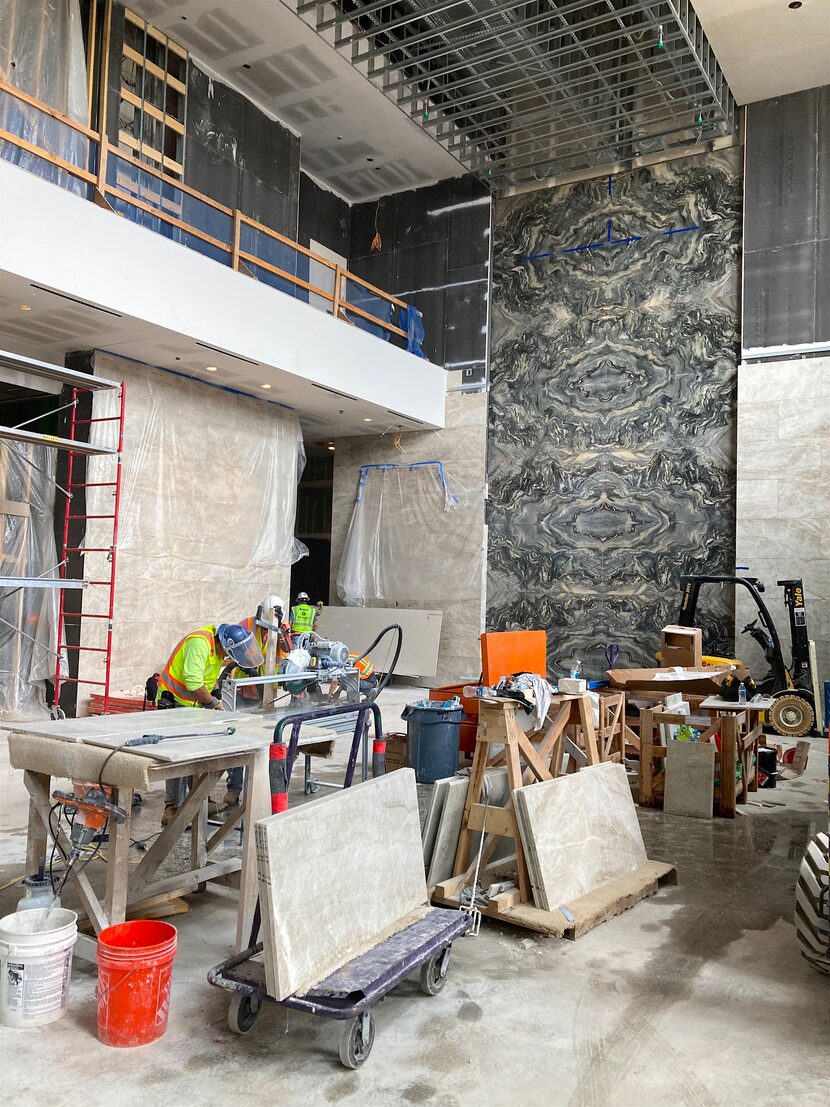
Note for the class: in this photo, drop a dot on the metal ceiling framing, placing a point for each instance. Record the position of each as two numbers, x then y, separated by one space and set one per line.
520 90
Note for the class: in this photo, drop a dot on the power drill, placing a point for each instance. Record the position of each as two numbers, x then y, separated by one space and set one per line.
92 809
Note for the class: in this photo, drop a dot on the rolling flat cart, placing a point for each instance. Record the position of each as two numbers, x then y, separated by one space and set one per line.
350 993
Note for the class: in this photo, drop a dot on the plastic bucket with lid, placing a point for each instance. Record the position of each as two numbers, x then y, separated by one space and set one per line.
135 966
35 965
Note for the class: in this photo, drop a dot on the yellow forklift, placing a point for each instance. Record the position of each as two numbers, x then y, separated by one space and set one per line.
794 689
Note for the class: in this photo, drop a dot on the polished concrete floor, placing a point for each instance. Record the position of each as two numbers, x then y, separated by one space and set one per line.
697 996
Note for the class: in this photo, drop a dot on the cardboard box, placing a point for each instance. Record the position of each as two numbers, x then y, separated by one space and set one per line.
681 646
396 752
694 682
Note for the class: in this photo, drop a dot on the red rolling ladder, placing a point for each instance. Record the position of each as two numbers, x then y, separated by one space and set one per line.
106 585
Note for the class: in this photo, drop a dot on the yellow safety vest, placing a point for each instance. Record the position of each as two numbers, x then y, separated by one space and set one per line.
172 675
302 618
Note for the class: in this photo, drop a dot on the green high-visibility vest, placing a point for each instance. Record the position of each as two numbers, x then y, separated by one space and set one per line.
302 618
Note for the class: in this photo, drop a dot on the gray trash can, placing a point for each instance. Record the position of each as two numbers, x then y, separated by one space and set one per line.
433 734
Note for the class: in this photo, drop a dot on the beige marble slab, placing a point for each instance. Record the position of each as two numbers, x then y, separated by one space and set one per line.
336 876
578 832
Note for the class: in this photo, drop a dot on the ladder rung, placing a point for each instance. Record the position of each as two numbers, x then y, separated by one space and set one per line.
88 549
74 680
82 615
91 517
86 649
102 419
95 484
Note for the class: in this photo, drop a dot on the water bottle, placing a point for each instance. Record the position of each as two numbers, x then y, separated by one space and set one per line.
576 670
742 694
477 691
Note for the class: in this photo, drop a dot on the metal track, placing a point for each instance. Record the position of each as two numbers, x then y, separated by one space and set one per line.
515 87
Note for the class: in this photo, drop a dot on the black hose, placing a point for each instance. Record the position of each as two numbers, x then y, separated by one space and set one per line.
387 675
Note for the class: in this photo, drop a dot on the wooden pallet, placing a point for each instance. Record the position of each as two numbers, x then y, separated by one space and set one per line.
583 914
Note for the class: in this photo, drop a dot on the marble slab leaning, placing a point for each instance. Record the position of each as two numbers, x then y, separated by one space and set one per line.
578 832
336 876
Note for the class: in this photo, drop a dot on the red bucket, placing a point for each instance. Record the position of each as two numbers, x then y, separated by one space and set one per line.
135 966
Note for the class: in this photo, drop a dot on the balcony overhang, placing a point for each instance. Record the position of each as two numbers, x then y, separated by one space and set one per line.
95 280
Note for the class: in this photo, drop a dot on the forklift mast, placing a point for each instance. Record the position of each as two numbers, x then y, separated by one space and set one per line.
794 602
690 586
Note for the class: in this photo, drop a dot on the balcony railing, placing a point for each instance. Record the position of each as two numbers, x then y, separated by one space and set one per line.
31 135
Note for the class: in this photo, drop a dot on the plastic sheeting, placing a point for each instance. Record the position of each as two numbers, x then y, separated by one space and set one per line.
27 657
42 54
208 503
415 534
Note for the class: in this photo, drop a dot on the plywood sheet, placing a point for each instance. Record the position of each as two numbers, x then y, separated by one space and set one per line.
336 876
578 831
358 626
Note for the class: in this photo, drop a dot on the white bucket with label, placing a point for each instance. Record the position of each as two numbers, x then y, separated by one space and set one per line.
35 965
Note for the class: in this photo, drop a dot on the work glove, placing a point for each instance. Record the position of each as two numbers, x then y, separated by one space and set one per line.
216 704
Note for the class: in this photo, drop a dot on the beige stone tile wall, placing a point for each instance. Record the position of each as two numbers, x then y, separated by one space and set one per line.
783 495
461 446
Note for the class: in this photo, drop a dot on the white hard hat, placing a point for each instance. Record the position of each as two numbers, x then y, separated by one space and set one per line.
270 603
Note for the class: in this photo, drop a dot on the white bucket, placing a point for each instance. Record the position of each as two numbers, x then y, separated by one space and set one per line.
35 965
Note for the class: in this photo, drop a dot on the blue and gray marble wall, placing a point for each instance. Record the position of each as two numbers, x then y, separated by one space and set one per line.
611 441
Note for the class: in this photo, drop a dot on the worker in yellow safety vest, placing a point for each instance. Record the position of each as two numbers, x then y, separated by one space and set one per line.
190 675
303 615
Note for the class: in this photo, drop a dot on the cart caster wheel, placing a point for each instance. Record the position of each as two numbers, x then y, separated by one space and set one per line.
434 973
356 1040
310 789
243 1013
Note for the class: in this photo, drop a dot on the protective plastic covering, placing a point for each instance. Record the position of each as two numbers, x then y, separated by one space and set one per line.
415 534
28 630
209 492
42 54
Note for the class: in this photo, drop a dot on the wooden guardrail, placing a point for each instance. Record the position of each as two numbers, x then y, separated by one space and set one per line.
231 245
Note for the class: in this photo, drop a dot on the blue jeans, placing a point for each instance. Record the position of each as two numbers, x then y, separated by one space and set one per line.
235 779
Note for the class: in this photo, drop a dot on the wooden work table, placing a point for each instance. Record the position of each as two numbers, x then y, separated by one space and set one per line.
77 748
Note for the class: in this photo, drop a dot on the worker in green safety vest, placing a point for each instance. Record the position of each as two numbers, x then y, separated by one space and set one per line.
303 615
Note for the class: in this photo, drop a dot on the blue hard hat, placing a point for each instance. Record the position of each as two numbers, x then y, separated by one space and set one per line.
240 645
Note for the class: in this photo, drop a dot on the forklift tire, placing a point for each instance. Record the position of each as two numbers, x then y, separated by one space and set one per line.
792 716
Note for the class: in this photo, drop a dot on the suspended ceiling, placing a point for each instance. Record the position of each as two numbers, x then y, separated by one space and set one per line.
354 139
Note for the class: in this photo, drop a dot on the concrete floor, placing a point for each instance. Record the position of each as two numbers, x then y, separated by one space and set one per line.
696 996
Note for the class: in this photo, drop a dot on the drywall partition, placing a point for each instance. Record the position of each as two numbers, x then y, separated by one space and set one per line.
612 411
783 502
462 450
207 514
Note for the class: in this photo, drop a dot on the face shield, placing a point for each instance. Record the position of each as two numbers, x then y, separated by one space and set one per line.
246 653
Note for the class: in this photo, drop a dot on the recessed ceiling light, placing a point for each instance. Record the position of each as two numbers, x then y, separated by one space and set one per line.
330 446
25 307
795 5
246 65
208 368
266 386
370 159
367 419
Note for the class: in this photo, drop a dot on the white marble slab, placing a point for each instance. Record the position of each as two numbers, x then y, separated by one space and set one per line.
578 832
433 818
336 876
110 731
442 859
690 779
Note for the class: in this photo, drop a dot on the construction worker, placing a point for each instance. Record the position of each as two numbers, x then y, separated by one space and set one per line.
190 675
303 616
268 616
367 677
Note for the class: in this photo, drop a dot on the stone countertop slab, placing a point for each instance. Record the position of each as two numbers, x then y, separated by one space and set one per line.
337 875
578 832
